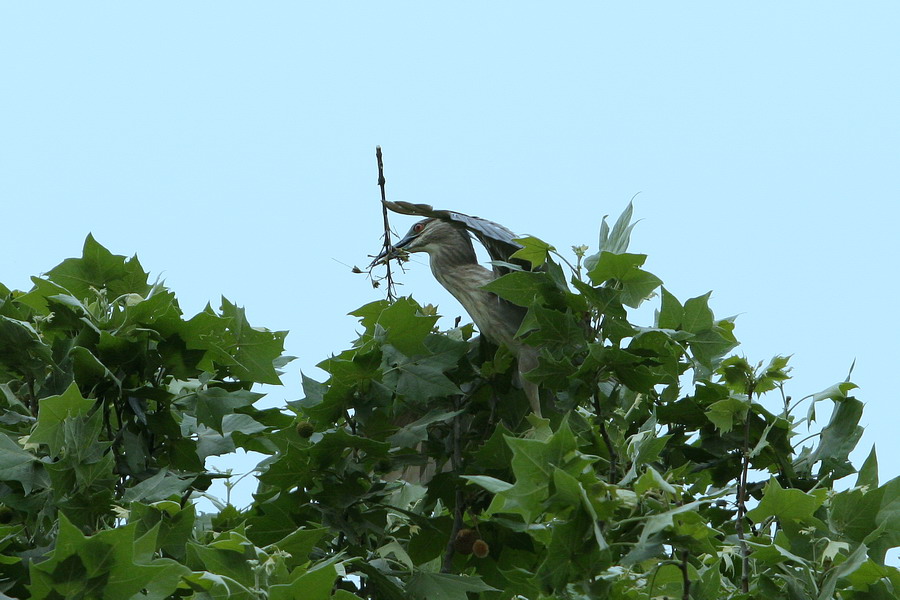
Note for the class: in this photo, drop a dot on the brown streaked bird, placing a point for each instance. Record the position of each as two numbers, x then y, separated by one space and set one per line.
446 237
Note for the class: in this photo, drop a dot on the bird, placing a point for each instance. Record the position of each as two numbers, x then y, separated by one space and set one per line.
446 236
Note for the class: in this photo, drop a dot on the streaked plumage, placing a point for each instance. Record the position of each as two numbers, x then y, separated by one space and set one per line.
445 237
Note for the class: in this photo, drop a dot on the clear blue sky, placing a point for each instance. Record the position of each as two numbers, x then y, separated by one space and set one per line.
231 146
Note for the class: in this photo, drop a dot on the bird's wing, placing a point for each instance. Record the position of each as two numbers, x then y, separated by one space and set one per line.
497 239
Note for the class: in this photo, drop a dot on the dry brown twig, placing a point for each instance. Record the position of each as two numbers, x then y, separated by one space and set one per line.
387 249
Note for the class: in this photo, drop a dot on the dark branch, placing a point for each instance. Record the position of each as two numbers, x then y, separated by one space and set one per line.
686 595
458 509
391 290
742 498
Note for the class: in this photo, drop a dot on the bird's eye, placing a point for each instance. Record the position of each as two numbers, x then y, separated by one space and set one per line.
418 227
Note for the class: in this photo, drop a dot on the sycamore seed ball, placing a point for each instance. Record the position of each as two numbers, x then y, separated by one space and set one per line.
465 540
305 429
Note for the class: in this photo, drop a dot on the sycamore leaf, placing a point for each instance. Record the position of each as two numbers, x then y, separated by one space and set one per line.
416 378
788 504
17 464
213 404
636 285
426 585
101 566
403 321
533 250
53 412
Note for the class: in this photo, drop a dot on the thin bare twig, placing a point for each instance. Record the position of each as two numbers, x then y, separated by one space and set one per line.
391 291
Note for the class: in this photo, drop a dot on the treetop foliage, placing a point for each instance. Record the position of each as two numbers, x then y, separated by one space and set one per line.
666 466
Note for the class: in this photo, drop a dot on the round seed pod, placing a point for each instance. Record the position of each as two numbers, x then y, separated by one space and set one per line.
465 539
305 429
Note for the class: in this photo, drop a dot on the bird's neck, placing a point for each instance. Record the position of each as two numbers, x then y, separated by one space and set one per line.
461 279
449 256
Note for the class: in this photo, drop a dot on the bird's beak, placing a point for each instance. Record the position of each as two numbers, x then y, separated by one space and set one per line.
405 241
395 251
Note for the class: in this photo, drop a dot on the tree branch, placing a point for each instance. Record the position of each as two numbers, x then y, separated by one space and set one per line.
391 290
458 508
686 595
742 498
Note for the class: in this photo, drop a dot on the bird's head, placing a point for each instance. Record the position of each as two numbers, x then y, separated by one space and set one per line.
434 236
424 236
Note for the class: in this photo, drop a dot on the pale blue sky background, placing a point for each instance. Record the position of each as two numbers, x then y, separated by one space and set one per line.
231 146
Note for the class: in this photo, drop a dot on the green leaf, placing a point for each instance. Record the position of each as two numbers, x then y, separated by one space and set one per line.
868 474
571 491
523 288
53 412
158 487
533 250
697 315
333 445
229 341
887 535
425 585
417 431
631 369
88 368
671 312
22 350
299 544
606 300
547 326
850 565
218 587
853 513
652 480
254 349
788 504
495 453
36 299
174 524
615 241
533 464
213 404
839 439
17 464
98 268
659 522
636 284
315 584
722 413
101 566
404 324
835 392
773 374
417 379
491 484
708 347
